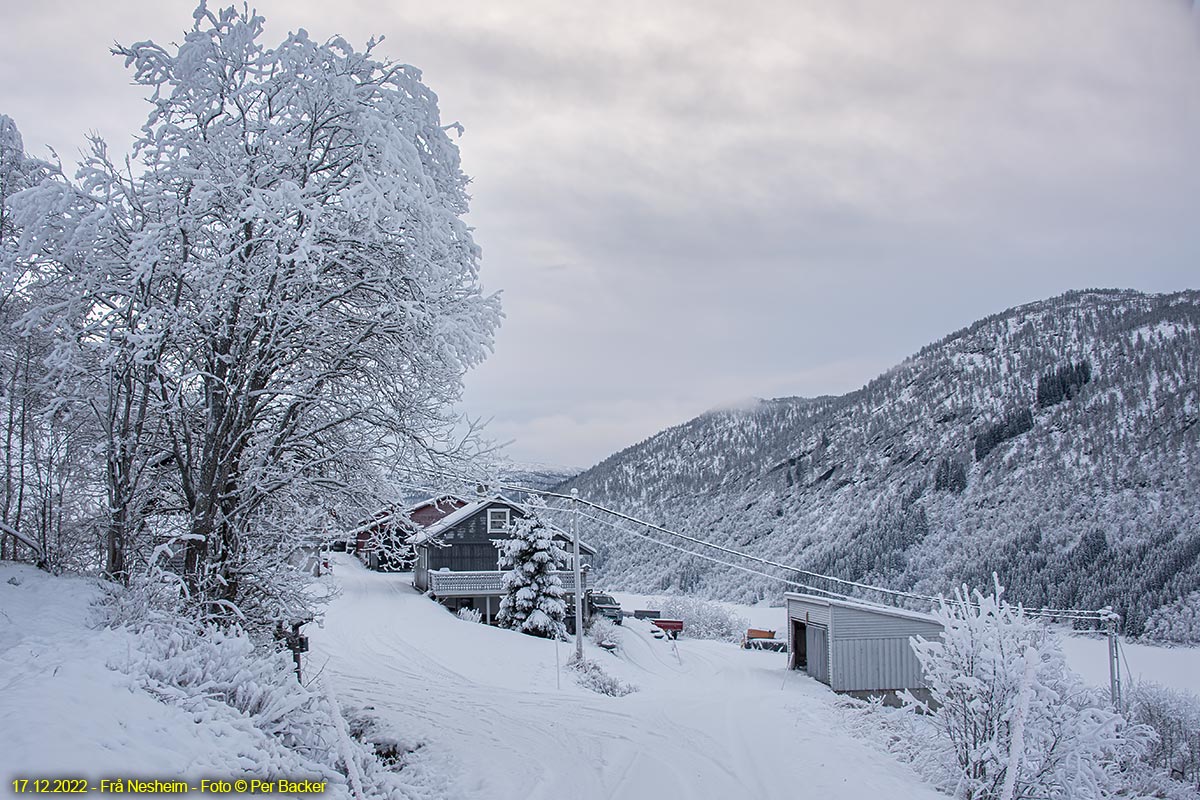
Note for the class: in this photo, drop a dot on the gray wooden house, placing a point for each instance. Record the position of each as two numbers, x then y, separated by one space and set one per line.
458 556
857 648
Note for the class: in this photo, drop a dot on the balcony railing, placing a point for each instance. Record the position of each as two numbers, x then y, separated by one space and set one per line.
487 582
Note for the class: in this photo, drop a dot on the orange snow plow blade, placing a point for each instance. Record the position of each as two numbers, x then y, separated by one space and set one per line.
759 633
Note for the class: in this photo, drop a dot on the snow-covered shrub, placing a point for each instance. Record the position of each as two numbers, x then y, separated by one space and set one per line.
153 600
470 615
1177 623
1009 719
1174 715
604 633
219 676
400 754
591 675
704 619
533 600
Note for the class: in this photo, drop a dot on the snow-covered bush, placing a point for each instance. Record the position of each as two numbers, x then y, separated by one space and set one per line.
402 754
591 675
154 599
533 600
470 615
704 619
1177 623
219 676
1174 715
604 633
1009 719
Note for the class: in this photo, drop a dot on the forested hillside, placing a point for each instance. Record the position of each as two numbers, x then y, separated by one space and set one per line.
1055 443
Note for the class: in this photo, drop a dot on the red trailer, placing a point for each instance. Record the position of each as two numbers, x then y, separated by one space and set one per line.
671 627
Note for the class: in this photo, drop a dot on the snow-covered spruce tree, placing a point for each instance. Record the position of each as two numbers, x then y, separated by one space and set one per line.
1011 720
275 306
533 594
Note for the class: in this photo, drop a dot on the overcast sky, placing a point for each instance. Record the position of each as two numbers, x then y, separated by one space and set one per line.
687 204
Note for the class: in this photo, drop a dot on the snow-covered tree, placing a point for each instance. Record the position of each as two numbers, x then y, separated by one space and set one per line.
1174 715
274 308
43 447
1011 719
533 595
1176 623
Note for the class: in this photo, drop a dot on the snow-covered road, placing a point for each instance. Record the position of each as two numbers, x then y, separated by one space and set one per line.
716 722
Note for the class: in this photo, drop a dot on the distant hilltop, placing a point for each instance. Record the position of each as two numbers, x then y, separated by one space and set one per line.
1055 444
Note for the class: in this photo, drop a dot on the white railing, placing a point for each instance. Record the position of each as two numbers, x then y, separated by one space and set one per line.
486 582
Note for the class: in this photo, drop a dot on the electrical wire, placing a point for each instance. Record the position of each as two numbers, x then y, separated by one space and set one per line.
1051 613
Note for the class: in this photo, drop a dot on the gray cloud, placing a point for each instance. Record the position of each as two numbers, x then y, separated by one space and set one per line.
687 204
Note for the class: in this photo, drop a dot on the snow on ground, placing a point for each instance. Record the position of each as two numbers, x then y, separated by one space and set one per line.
1178 667
65 713
761 615
710 720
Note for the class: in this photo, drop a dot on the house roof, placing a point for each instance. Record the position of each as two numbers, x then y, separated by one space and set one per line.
397 515
471 509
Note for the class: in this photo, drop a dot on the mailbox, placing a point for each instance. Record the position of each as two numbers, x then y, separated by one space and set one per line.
293 640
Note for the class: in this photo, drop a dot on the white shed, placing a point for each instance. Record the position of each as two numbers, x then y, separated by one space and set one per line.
855 647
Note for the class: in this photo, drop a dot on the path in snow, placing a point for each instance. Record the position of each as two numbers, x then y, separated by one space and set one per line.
719 722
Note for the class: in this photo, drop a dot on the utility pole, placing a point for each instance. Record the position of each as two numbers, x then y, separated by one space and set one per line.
1114 662
578 577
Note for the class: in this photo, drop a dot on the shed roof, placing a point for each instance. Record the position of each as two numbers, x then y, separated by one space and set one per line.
862 605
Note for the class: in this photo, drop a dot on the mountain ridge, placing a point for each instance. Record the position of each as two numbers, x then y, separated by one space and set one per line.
1055 443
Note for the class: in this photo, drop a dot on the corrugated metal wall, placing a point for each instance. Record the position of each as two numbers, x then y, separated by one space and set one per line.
862 664
860 623
817 641
859 649
808 612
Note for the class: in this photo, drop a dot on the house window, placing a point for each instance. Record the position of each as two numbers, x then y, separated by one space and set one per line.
497 520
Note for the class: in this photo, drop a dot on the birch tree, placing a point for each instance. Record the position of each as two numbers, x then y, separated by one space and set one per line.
38 454
275 301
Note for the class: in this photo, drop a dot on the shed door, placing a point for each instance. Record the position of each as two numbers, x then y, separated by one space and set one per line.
816 644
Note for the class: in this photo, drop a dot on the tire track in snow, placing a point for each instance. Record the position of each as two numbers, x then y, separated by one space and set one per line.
714 726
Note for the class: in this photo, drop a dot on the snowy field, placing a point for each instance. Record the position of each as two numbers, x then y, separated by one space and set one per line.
486 711
761 615
713 721
1178 667
65 712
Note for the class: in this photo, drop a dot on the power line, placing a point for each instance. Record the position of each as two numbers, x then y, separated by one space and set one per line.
1042 612
1054 613
1063 613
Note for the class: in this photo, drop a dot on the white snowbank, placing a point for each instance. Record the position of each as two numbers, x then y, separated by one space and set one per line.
64 712
86 702
710 720
1178 667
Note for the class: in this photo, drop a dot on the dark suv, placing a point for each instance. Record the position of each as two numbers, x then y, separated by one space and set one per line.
604 605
